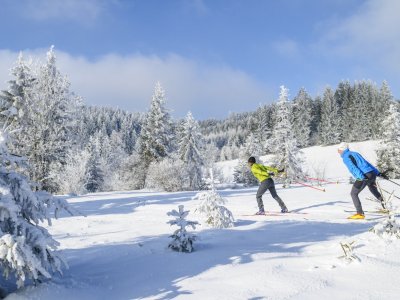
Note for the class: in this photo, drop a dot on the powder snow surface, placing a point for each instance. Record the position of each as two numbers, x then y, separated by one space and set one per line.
119 251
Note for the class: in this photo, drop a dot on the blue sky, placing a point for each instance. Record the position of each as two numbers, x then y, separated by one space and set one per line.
212 57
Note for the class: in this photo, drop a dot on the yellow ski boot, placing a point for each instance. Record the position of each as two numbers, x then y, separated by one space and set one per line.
357 217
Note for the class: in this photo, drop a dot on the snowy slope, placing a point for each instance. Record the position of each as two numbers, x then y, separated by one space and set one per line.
319 161
119 251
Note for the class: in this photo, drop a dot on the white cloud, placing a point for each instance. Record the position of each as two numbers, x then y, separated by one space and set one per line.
128 81
372 35
77 10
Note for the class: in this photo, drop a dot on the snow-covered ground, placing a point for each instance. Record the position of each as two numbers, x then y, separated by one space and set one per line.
119 251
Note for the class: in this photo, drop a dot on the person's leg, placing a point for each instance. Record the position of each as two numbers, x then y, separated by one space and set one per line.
261 190
373 188
272 190
358 186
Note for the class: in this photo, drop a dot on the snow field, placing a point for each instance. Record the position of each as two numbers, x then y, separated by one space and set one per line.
119 251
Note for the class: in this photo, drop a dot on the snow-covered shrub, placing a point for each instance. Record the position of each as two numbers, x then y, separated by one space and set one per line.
182 240
133 172
73 177
388 228
169 175
211 207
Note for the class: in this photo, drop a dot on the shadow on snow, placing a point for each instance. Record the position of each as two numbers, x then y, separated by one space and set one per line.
146 268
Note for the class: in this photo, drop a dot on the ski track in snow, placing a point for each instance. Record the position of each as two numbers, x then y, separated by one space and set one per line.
119 251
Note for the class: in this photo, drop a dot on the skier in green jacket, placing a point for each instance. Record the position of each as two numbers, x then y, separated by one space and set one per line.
263 174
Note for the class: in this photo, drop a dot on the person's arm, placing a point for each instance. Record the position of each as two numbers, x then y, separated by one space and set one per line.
272 170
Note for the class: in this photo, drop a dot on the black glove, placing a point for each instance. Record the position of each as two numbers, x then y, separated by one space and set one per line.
281 170
384 175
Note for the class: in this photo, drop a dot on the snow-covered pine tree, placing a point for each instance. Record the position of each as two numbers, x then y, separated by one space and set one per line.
343 97
27 250
330 119
263 131
94 168
242 173
212 207
155 136
302 118
381 108
19 95
52 124
361 126
190 145
389 152
182 240
284 144
316 120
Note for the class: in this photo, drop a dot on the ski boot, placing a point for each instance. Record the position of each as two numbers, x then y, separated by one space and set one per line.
357 217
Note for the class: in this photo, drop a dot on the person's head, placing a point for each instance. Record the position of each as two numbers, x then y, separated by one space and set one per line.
251 161
342 147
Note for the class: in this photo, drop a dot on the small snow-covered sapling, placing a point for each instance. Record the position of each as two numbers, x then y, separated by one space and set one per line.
182 240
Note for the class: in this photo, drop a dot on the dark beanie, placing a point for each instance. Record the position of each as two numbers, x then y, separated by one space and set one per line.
252 160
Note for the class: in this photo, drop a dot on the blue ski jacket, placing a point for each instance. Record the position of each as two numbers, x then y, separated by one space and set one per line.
357 165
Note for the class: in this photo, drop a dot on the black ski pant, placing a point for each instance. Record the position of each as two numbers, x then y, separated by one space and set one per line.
268 184
359 185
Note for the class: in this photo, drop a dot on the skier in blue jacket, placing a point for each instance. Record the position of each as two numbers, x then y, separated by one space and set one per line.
365 175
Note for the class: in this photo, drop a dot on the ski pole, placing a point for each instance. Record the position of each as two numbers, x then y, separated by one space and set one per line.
321 180
310 186
392 181
389 193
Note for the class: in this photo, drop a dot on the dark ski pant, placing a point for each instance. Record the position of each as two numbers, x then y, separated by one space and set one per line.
359 185
268 184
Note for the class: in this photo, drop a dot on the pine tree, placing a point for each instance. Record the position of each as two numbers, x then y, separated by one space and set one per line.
155 136
27 250
18 95
344 97
316 120
285 150
381 108
302 118
182 240
190 145
330 119
94 168
51 129
361 126
389 153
